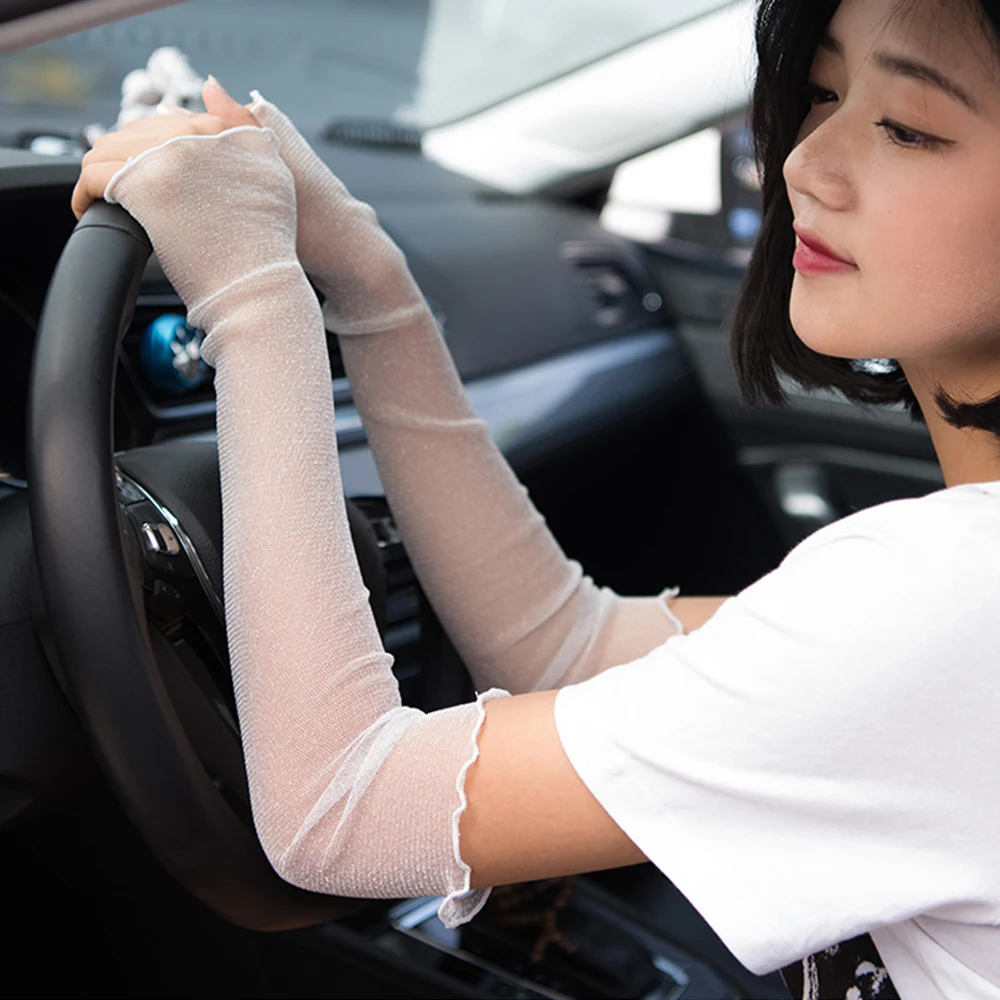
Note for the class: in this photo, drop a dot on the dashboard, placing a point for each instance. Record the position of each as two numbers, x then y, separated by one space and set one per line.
563 341
555 325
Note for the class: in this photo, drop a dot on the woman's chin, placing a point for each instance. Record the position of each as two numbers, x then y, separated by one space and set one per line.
823 337
825 329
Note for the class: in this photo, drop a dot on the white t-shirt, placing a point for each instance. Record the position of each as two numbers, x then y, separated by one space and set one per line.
822 758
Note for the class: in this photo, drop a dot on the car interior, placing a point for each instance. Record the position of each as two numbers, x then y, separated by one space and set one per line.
599 359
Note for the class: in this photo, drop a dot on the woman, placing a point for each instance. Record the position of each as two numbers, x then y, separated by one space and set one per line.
816 759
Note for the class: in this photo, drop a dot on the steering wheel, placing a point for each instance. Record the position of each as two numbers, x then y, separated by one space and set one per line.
128 556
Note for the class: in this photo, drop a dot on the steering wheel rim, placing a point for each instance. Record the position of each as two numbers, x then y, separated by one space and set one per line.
94 613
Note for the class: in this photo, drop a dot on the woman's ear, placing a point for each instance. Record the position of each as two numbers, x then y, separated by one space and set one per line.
219 103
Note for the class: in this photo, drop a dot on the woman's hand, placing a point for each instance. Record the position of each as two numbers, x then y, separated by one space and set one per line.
112 151
212 193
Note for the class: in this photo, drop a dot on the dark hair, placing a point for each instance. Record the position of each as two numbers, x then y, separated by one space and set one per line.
764 344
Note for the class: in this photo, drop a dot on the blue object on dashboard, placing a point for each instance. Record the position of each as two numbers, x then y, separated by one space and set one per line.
170 355
744 223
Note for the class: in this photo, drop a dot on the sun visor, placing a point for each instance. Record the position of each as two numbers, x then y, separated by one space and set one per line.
35 21
630 102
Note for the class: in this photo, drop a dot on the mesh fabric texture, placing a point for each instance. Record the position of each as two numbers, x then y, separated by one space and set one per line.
353 793
521 614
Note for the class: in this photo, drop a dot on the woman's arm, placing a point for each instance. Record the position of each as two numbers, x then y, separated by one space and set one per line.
523 781
521 614
352 793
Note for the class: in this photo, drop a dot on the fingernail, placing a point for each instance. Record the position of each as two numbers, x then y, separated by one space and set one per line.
212 82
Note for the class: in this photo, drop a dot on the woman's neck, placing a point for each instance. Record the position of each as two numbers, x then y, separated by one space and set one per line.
967 455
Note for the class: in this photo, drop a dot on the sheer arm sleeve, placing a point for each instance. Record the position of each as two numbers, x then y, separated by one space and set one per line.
352 793
520 613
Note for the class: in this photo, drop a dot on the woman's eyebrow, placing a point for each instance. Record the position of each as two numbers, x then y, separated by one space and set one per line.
828 42
912 69
915 70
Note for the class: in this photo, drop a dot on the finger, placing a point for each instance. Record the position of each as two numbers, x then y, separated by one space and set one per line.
183 123
168 108
130 140
92 184
218 102
137 137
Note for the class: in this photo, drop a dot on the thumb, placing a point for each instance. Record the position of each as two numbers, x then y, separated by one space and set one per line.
219 103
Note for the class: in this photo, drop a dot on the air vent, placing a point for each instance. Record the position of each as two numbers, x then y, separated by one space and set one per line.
618 291
373 132
198 402
162 404
613 297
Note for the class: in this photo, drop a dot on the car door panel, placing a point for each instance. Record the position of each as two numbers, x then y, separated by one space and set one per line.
821 456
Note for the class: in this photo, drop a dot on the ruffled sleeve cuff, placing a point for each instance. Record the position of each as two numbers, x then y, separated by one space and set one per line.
462 904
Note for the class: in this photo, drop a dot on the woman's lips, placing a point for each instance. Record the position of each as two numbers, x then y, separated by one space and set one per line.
813 257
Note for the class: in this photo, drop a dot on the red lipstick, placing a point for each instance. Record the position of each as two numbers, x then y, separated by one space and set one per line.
813 257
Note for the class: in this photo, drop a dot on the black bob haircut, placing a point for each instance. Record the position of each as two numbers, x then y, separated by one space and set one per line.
764 344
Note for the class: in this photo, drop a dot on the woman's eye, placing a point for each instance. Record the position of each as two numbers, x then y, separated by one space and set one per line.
821 95
899 135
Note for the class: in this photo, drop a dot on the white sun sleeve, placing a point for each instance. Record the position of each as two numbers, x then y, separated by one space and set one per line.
352 793
521 614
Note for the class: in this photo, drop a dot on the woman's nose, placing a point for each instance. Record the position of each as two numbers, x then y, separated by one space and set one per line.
818 166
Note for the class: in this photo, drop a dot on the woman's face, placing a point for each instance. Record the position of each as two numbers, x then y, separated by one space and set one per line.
897 170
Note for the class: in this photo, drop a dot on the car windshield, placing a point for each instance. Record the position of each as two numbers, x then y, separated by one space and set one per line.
415 62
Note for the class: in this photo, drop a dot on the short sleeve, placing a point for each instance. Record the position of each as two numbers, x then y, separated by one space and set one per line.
818 760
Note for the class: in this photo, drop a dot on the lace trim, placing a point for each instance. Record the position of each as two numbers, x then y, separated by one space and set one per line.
461 905
109 193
